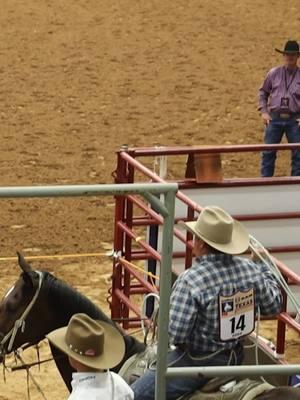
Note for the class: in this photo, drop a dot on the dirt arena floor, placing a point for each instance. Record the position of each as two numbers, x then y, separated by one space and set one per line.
80 79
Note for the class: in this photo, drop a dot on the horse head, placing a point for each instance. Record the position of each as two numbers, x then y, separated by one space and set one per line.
38 303
16 310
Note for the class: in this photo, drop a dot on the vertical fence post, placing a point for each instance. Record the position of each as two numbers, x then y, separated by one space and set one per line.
152 263
189 236
128 247
165 292
117 275
281 330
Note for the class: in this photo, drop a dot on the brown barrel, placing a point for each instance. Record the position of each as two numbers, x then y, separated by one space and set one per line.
205 167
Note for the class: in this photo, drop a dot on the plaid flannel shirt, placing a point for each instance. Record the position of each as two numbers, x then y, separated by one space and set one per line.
194 311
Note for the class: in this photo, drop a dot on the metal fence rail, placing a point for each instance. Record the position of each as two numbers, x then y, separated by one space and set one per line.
147 189
165 208
237 370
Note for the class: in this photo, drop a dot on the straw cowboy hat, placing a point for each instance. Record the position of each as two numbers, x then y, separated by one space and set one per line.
291 47
219 230
95 344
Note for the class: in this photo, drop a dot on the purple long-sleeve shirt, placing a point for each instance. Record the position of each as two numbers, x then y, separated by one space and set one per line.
274 88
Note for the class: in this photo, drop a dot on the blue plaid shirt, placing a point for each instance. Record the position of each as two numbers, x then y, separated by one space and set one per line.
194 312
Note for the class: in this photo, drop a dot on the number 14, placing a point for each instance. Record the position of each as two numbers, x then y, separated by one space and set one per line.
238 324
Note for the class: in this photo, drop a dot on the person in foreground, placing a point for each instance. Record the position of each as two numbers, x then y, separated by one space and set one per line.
92 347
279 104
214 303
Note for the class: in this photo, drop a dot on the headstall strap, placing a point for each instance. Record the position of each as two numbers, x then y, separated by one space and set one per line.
38 355
20 323
4 369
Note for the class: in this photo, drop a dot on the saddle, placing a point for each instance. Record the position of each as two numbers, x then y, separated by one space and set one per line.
136 365
225 388
229 389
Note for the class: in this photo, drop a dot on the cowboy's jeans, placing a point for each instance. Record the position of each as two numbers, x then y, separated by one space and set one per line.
273 135
144 387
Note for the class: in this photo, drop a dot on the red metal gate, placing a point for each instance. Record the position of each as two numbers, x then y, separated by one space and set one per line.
133 214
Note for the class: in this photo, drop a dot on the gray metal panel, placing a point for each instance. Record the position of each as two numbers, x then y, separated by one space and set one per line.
245 199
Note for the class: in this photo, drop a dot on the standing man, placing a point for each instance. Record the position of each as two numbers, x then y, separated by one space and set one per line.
214 303
279 104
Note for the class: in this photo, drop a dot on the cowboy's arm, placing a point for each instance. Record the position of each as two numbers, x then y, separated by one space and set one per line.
269 292
182 312
264 93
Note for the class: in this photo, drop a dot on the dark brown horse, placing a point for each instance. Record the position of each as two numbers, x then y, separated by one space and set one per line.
37 304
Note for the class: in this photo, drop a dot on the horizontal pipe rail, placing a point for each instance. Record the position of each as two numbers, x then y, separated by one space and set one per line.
169 151
267 216
140 290
283 249
287 319
291 275
279 249
127 302
155 254
136 164
239 182
138 255
144 222
261 217
138 276
157 217
86 190
144 206
237 370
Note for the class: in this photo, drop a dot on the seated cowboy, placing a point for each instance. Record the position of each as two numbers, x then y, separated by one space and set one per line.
92 347
214 303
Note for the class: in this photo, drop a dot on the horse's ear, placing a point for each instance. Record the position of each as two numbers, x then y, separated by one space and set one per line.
23 263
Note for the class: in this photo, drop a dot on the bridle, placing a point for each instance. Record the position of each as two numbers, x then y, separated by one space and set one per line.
20 322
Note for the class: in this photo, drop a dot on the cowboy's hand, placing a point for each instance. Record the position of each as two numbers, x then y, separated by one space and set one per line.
298 120
254 256
266 118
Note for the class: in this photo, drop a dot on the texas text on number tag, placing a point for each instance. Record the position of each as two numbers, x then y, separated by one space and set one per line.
236 315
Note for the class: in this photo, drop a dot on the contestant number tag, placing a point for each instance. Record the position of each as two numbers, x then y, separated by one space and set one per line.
236 314
284 102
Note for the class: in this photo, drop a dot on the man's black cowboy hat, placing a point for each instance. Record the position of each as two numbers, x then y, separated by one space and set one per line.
291 47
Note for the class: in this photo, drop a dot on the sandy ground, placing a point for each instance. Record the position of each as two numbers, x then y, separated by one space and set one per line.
79 79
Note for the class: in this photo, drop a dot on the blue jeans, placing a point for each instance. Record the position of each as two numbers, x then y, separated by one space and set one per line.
144 387
273 135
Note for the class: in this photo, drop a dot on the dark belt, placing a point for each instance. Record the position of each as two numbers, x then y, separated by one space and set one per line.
285 115
237 349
